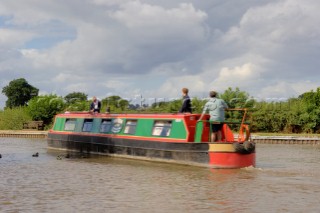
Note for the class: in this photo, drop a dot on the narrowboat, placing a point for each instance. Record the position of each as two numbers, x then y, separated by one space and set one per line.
177 138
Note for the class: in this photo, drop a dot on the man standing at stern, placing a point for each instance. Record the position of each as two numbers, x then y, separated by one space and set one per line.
215 106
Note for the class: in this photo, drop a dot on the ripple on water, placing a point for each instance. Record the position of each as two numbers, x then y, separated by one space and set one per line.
285 180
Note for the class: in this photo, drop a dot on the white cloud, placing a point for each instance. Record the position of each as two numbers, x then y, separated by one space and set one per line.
157 47
283 89
243 73
10 38
135 14
110 2
244 77
97 46
64 78
276 25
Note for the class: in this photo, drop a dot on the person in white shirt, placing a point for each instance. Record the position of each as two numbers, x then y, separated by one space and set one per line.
95 105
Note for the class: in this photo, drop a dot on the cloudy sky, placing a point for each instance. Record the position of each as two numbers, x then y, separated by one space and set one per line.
268 48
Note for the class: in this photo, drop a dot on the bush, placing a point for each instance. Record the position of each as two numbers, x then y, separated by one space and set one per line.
44 108
13 119
78 106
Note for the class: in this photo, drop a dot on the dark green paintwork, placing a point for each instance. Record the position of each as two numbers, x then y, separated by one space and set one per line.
59 124
199 128
144 127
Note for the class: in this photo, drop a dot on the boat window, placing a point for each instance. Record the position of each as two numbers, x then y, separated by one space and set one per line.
105 125
87 125
117 125
130 127
70 124
161 128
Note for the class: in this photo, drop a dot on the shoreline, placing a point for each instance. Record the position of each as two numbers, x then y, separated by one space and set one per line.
285 139
313 140
23 134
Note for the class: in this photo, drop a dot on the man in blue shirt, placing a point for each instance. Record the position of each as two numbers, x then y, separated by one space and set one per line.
215 106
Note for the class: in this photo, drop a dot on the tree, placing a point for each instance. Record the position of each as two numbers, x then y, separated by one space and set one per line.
310 111
45 107
115 103
197 105
77 101
73 97
79 106
236 98
19 92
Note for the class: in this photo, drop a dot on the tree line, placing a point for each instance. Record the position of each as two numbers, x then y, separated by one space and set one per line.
295 115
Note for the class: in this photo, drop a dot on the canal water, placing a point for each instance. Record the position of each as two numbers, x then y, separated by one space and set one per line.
286 179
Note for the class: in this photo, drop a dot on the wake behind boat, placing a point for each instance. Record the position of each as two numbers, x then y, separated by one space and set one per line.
177 138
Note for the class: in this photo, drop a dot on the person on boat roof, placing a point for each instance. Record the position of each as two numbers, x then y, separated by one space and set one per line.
186 104
95 105
215 106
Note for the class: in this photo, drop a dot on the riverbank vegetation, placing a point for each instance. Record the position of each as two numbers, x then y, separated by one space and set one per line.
295 115
13 119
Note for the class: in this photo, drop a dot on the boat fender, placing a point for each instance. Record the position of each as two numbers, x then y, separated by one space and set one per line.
244 148
244 133
249 146
238 147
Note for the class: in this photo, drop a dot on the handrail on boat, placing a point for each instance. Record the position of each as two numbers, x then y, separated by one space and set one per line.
244 132
244 115
233 122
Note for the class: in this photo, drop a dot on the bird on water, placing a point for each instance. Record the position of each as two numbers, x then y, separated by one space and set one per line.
35 155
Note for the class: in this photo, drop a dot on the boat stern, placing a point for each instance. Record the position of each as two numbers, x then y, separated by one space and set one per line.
232 155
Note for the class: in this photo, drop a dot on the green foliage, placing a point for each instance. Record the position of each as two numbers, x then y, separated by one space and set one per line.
166 107
78 106
13 119
19 92
175 105
75 97
236 98
45 107
115 103
77 101
269 118
295 115
197 105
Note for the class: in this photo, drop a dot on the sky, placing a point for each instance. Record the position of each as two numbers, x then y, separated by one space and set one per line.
150 48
